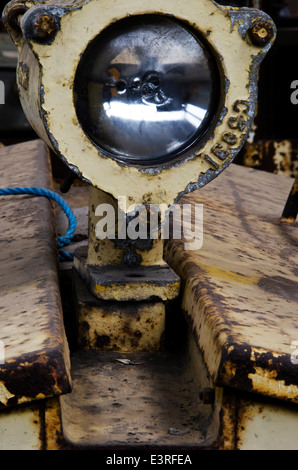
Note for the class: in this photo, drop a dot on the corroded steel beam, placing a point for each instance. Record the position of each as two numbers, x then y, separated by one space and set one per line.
37 363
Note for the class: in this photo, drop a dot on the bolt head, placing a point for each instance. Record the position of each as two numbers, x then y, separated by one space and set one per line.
40 25
261 32
44 27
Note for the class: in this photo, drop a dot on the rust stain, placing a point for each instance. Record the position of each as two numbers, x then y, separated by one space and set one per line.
42 377
279 157
53 426
227 434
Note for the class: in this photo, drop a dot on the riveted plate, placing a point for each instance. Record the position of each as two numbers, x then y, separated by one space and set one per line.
121 401
34 353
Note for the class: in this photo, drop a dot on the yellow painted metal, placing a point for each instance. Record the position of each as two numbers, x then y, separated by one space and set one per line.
142 291
124 283
21 428
35 355
240 289
122 329
265 425
281 155
148 400
240 296
53 433
225 296
118 326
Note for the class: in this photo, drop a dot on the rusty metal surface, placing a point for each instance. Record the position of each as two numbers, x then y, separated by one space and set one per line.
264 424
136 400
31 325
279 157
240 290
124 283
117 326
53 437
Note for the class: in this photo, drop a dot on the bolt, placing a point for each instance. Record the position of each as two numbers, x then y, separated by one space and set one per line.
44 27
207 396
261 32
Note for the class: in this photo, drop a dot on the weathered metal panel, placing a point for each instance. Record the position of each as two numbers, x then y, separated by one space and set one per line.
36 353
240 289
265 425
123 283
53 436
21 428
279 157
133 401
118 326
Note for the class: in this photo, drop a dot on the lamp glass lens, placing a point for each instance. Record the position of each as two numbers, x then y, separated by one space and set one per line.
144 89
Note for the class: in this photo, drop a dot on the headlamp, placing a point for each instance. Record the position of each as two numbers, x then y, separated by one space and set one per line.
149 100
146 89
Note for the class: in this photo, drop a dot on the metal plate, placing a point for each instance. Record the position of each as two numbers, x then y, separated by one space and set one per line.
241 288
35 352
135 401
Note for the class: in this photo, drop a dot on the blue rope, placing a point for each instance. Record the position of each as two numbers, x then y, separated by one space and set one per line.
72 223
